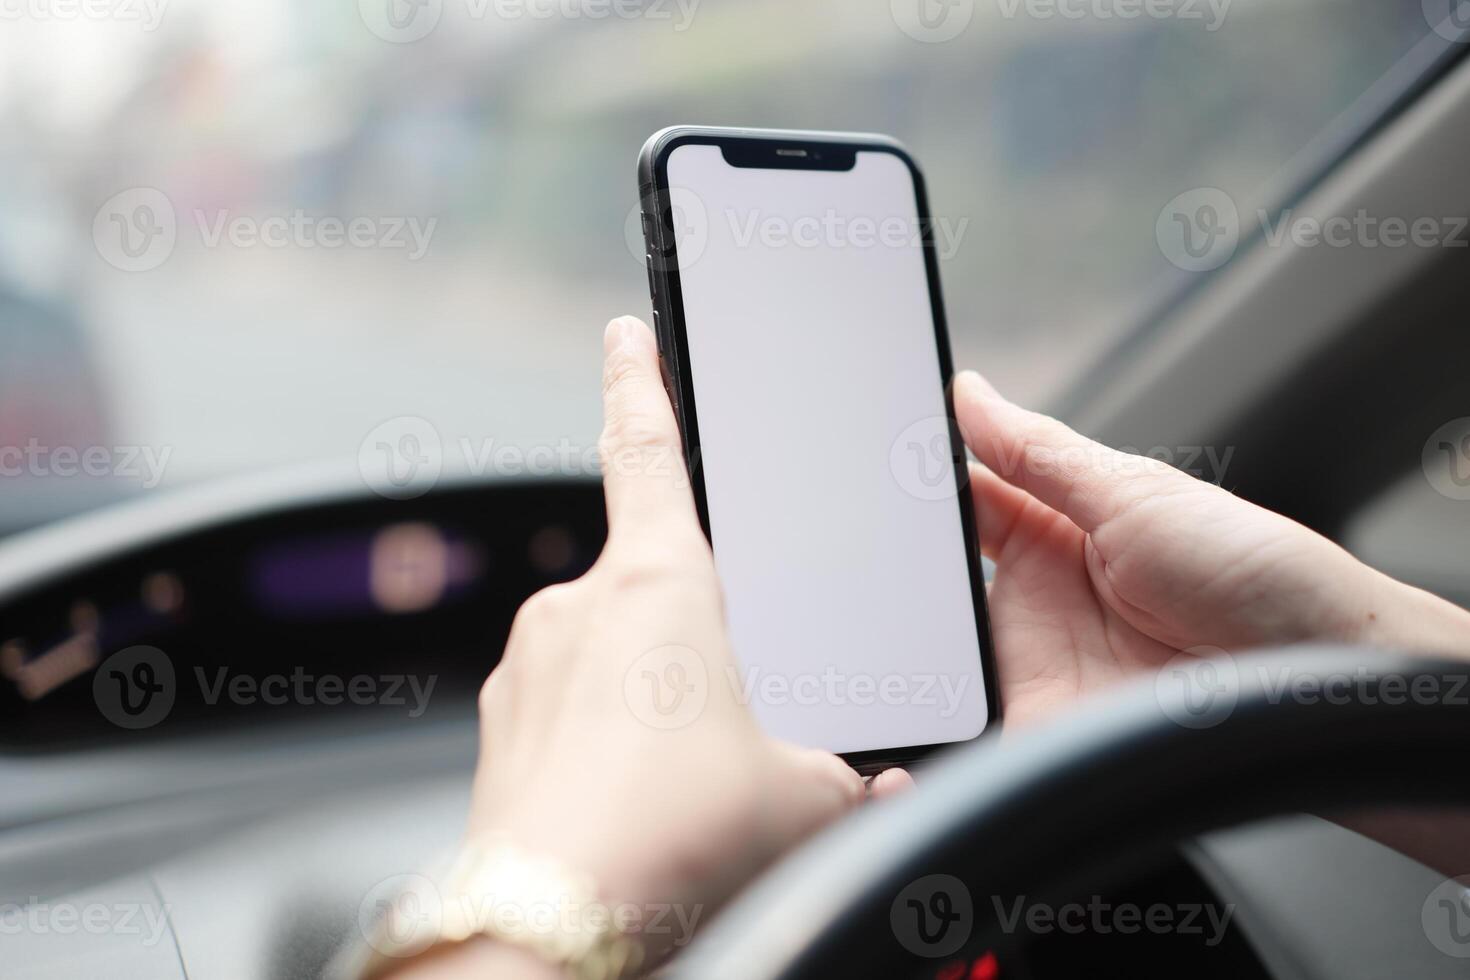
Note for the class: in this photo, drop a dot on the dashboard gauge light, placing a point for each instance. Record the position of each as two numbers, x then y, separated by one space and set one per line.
44 673
163 593
409 568
12 658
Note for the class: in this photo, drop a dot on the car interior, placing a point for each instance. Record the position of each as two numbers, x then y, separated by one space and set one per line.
253 827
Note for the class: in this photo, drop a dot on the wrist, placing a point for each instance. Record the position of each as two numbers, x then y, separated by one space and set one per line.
481 957
1391 615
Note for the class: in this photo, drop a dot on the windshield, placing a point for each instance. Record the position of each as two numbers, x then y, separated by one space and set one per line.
241 236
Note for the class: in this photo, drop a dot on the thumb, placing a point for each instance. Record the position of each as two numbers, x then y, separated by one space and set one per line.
643 464
820 788
1070 473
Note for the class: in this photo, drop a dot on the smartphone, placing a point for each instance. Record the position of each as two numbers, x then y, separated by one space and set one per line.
796 301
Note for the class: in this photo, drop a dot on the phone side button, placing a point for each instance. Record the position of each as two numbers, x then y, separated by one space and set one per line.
658 332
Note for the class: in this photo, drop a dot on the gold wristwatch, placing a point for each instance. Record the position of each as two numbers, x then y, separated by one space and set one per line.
495 890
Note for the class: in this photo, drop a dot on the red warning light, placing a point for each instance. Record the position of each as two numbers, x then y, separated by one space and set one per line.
986 967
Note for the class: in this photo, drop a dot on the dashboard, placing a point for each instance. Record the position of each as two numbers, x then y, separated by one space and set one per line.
349 605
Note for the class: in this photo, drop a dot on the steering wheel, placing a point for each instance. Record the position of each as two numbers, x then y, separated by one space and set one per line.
1204 747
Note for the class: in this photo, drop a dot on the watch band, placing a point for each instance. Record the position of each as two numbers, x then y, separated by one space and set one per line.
495 890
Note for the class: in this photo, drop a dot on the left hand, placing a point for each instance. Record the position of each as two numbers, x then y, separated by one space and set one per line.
670 804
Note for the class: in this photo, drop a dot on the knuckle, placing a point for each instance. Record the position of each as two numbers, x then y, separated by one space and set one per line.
637 572
669 569
626 429
545 608
1043 432
490 692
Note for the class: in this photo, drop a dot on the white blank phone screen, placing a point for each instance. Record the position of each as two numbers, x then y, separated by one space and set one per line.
819 399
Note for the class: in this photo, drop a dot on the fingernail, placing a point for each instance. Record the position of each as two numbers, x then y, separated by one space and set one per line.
627 331
616 334
976 382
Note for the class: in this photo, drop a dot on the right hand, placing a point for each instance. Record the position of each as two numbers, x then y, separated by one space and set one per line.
1110 564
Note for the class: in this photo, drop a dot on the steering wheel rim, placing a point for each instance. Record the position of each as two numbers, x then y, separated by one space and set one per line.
1145 765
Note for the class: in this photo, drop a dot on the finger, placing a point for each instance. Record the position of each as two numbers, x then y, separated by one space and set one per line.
823 787
890 782
1085 480
999 509
643 464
